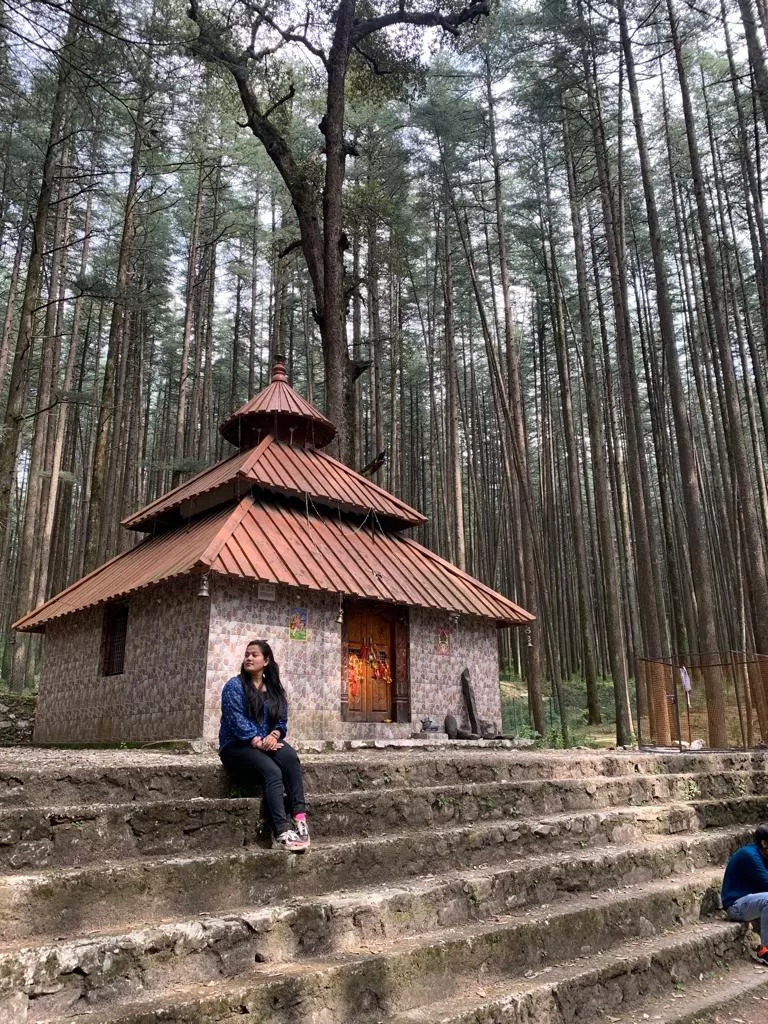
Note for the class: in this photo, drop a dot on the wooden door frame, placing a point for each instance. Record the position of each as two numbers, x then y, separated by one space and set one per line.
401 678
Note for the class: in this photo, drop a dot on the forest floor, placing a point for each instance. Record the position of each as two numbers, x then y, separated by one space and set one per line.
514 714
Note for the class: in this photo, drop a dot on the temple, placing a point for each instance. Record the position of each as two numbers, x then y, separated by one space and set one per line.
280 542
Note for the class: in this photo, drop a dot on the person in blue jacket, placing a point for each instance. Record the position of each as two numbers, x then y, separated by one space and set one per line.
254 720
745 886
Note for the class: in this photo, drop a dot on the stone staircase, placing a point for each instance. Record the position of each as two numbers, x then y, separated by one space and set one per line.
460 886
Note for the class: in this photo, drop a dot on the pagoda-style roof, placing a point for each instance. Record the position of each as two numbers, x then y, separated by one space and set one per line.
306 473
281 411
273 541
281 511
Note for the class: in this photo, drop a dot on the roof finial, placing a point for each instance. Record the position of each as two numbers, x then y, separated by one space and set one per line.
278 368
280 411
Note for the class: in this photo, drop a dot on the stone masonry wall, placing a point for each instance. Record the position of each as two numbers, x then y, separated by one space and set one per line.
161 693
181 649
17 719
310 669
436 678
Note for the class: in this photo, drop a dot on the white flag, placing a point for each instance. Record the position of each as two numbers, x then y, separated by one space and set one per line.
685 679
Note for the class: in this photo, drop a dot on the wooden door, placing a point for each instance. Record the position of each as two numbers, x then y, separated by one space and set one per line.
370 663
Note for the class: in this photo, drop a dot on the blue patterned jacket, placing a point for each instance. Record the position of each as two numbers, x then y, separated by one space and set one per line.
236 726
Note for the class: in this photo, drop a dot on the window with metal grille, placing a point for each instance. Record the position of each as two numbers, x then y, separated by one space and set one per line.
113 633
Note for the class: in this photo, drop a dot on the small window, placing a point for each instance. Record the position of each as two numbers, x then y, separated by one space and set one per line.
113 633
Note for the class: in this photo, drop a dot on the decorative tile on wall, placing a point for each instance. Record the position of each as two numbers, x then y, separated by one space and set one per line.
436 667
310 668
159 696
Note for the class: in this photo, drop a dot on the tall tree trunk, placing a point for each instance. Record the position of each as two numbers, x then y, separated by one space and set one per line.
756 56
531 598
754 555
61 425
45 388
357 344
254 292
17 394
234 393
692 498
339 379
377 399
5 338
98 526
574 486
636 461
189 306
452 404
507 417
206 393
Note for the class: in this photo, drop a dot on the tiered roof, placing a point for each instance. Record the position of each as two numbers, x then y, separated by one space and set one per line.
281 411
282 511
282 469
277 543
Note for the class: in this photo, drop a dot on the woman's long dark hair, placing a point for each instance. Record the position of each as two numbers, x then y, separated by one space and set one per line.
275 700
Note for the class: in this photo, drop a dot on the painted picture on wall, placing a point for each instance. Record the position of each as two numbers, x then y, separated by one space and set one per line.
443 642
298 624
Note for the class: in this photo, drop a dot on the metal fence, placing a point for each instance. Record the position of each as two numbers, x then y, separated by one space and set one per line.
703 700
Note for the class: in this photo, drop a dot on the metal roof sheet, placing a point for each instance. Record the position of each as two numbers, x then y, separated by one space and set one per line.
275 543
301 471
208 480
152 561
286 469
282 545
282 411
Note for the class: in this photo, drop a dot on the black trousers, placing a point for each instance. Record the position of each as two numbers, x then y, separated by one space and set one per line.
276 770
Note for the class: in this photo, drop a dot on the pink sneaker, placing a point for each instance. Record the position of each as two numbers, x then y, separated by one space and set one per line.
302 830
290 840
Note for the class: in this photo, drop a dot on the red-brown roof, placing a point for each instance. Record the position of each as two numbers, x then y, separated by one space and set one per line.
155 560
304 472
274 543
283 545
279 410
216 478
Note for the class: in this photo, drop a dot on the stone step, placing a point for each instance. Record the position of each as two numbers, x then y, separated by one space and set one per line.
40 777
593 989
114 967
67 901
40 837
380 979
720 813
735 996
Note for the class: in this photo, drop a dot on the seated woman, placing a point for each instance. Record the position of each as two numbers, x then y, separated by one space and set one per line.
254 714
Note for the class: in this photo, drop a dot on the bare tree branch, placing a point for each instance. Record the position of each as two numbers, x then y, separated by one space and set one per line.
288 35
426 19
296 244
210 46
283 99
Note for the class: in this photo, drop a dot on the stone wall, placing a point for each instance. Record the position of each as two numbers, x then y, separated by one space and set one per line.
160 694
310 669
17 719
436 677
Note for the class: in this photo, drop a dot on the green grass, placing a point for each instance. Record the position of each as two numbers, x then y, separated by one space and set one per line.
515 721
7 695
